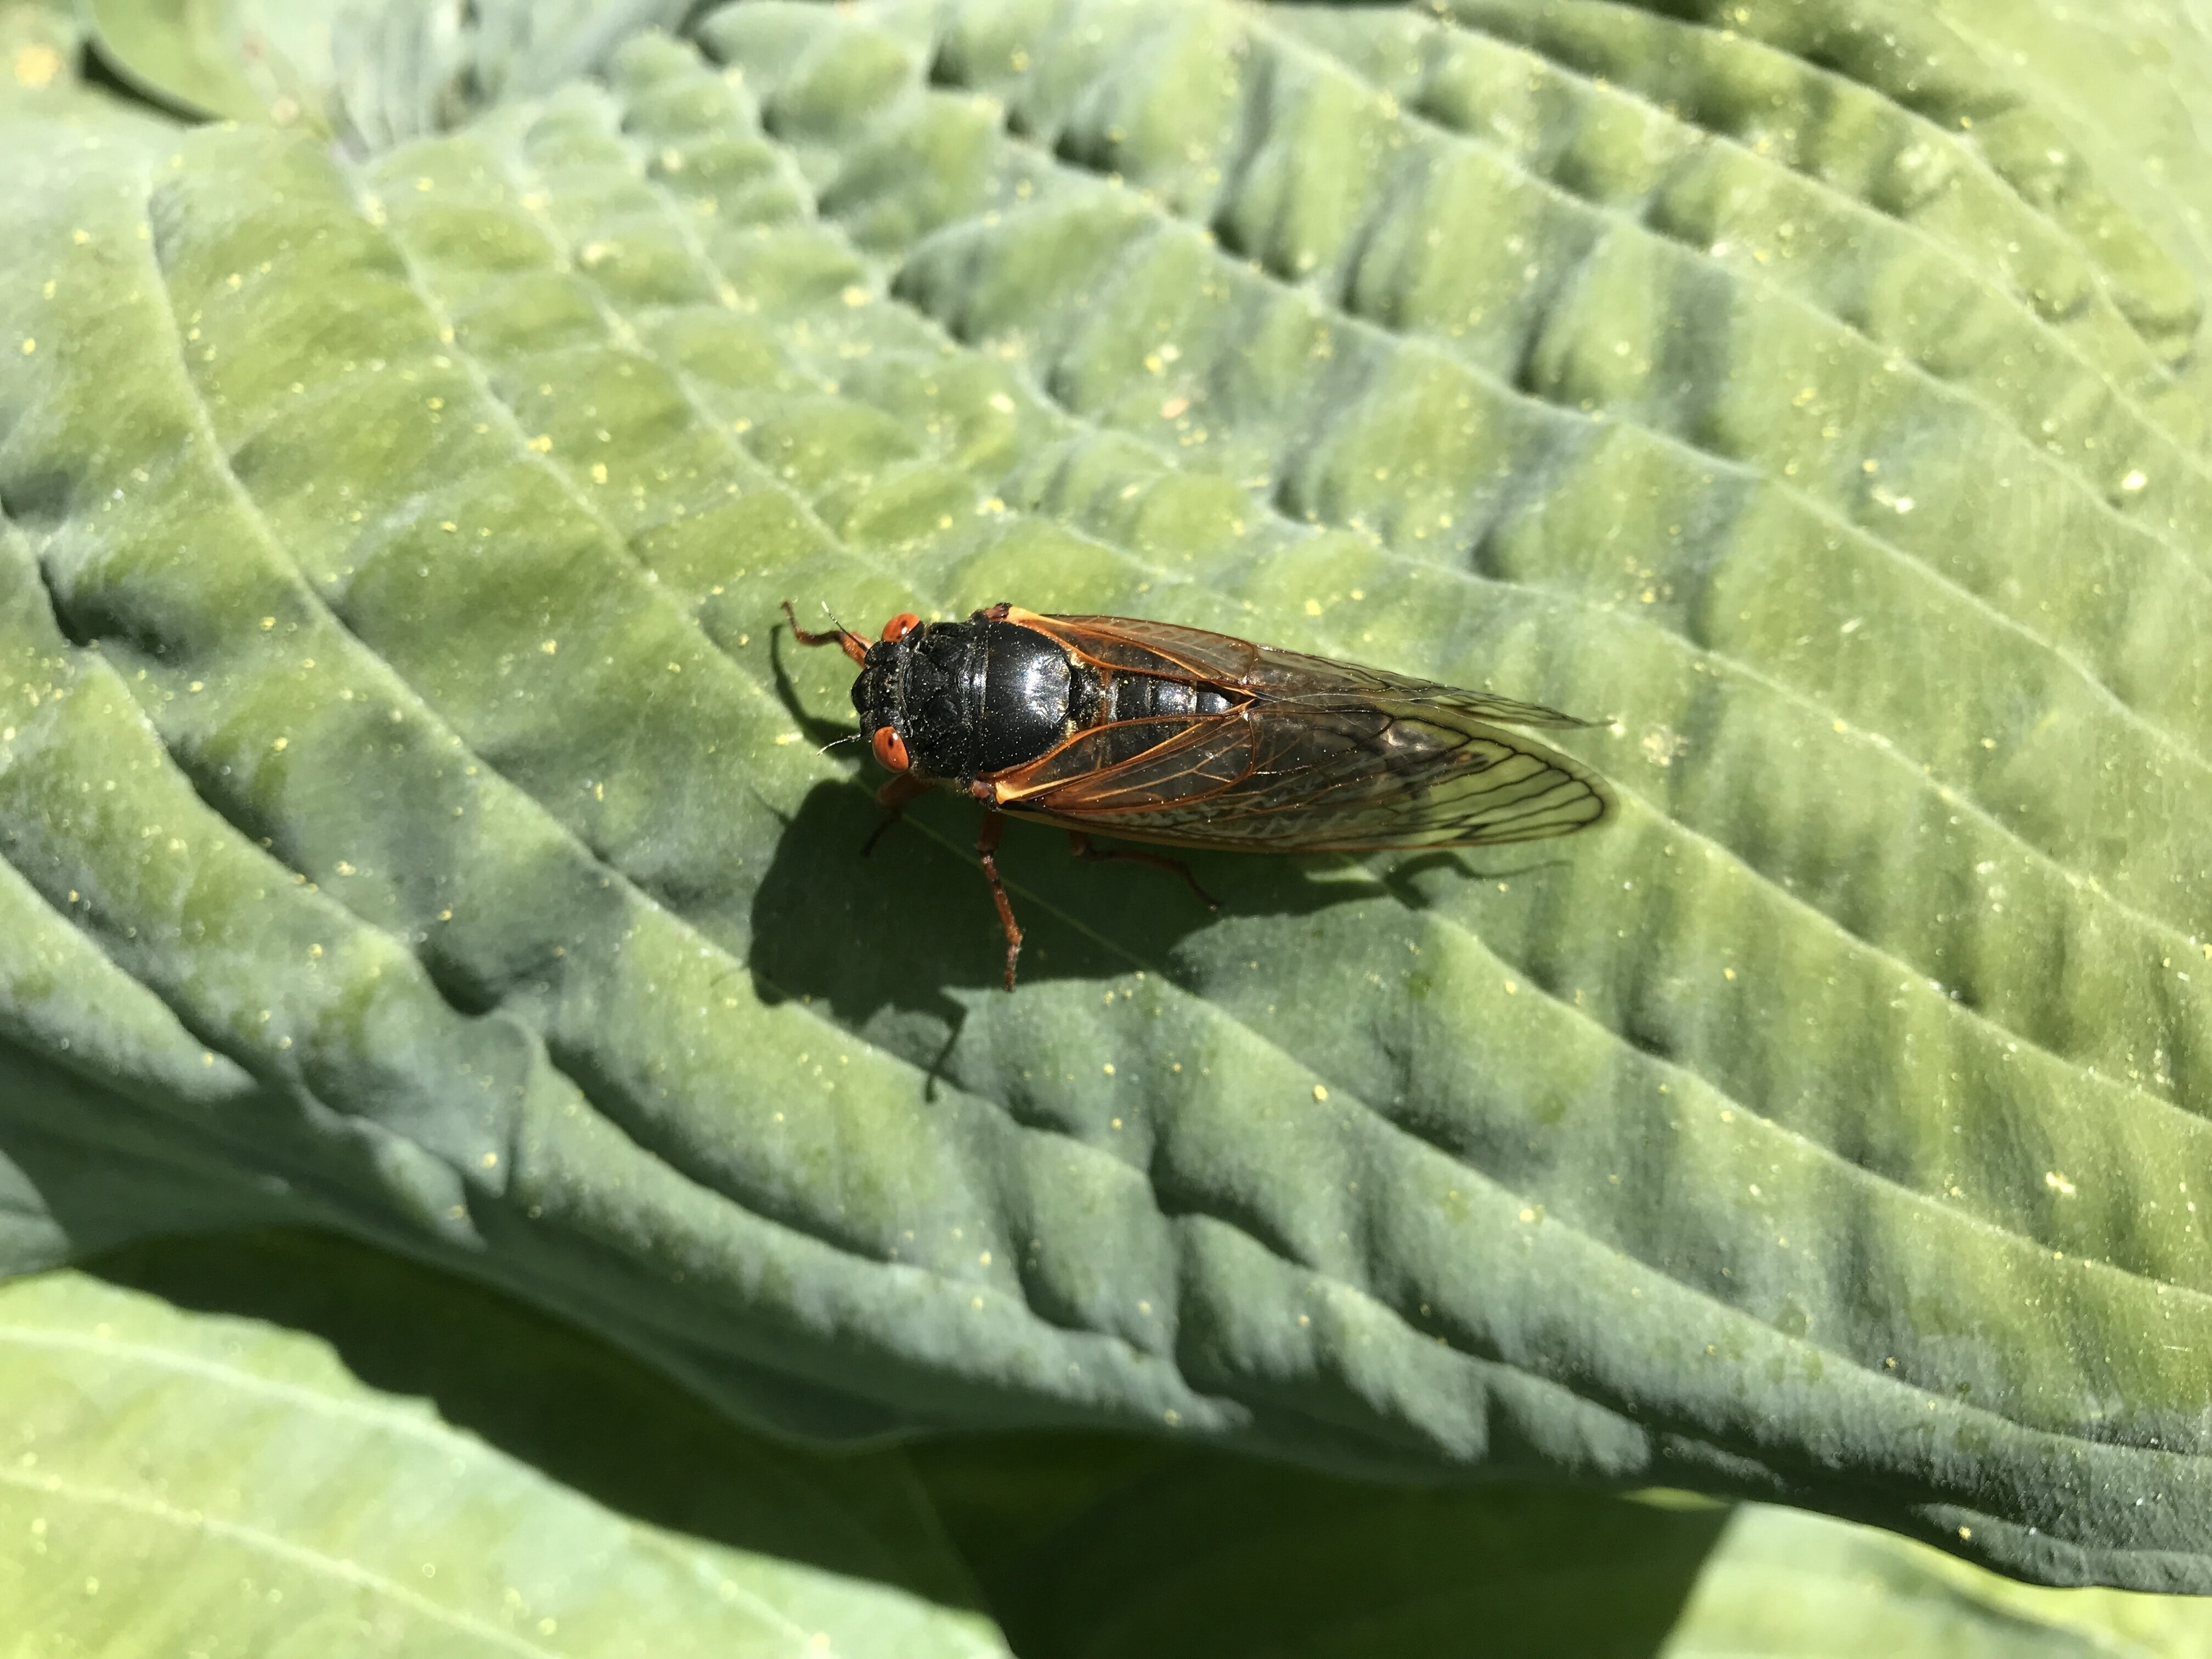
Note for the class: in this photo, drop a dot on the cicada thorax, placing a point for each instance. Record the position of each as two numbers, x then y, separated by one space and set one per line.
960 701
969 698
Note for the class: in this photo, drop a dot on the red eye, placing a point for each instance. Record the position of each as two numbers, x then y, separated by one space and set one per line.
890 749
895 628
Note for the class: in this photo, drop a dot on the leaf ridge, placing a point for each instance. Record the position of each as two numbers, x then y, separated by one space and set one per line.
1487 18
1950 388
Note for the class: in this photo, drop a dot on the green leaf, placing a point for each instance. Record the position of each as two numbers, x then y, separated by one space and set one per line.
187 56
374 72
414 824
377 1389
231 1484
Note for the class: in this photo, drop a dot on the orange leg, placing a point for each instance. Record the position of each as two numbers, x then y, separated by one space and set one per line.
1079 844
986 843
892 797
853 645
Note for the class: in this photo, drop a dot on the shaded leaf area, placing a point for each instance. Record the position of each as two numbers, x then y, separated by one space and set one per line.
1088 1549
238 1439
414 824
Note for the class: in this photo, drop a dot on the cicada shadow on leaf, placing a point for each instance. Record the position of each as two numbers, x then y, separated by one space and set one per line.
910 925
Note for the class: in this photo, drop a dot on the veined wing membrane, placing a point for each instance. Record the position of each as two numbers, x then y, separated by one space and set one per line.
1288 678
1132 644
1303 774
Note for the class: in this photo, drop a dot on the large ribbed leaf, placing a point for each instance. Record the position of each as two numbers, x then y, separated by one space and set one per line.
414 824
212 1484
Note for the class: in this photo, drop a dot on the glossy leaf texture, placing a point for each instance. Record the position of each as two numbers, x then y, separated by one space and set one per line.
416 825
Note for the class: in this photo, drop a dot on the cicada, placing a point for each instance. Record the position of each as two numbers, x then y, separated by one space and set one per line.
1151 732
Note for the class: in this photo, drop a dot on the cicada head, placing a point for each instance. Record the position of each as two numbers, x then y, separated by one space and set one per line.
875 701
875 693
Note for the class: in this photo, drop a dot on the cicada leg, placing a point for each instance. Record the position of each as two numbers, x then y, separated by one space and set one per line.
1079 844
987 844
851 643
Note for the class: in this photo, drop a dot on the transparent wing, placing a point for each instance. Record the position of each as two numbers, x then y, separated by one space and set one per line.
1301 777
1291 677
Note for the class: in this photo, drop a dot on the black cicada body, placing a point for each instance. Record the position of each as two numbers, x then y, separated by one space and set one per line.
1151 732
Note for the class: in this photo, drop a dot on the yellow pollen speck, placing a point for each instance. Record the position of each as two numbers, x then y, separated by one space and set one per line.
984 1260
1108 1068
2058 1183
599 471
1313 607
36 66
1528 1215
29 345
1512 989
1728 973
1965 1531
1173 408
1002 403
281 744
489 1160
548 647
856 295
543 443
2134 480
1320 1093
